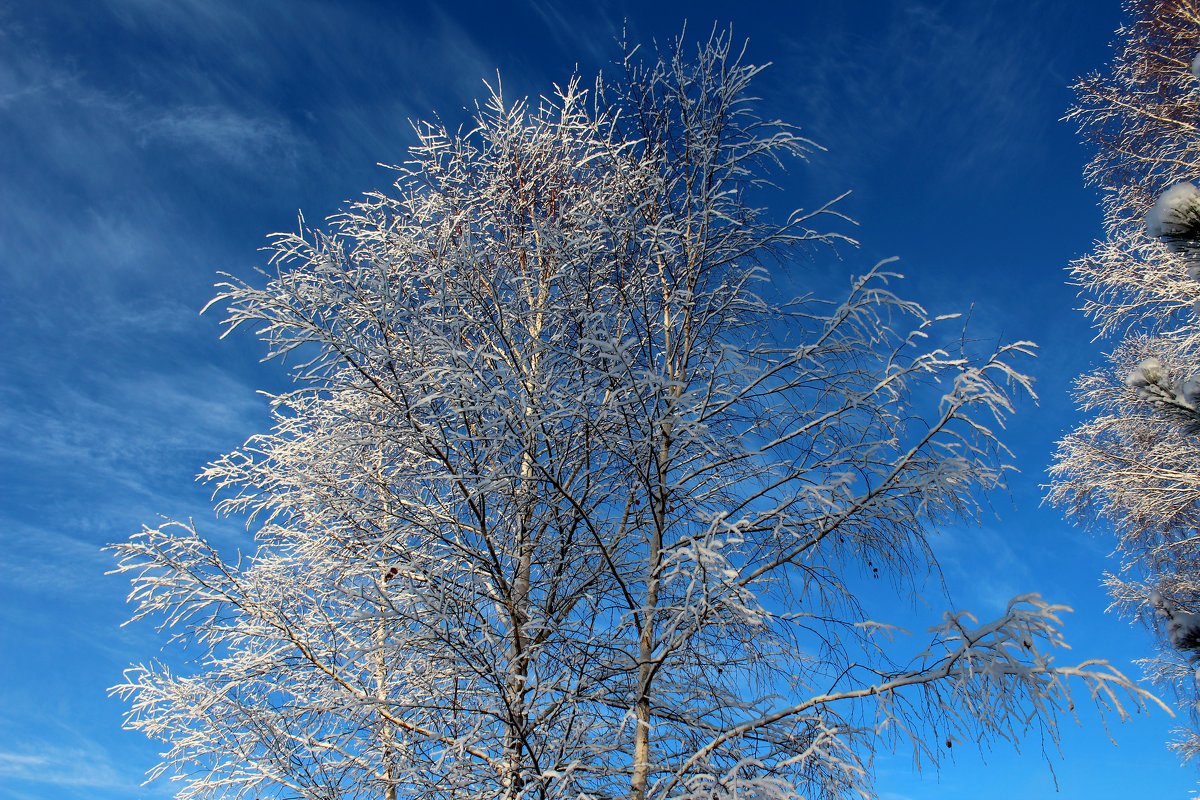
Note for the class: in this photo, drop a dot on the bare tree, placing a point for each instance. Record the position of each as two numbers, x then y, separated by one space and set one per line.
565 505
1135 462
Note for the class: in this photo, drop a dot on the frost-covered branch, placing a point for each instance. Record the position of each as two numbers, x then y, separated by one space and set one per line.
566 503
1134 463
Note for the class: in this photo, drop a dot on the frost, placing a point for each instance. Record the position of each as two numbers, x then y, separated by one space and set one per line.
523 526
1131 466
1176 213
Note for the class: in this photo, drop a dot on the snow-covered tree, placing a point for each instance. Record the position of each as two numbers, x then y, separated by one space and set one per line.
567 504
1135 462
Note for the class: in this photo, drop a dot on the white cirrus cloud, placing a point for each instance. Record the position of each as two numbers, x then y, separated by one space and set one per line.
223 132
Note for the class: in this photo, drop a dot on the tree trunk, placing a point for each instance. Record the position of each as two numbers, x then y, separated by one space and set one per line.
641 736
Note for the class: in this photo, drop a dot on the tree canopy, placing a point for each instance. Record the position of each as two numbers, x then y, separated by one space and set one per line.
568 503
1134 462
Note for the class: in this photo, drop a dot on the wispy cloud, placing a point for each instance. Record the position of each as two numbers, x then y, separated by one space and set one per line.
40 96
40 561
135 428
854 90
588 29
32 771
983 570
229 135
61 767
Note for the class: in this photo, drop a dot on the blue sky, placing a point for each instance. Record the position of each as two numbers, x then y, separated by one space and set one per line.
146 145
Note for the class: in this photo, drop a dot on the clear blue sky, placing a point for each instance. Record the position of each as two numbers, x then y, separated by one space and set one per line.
145 145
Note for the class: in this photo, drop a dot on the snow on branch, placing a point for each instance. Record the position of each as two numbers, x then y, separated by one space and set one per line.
566 502
974 683
1175 215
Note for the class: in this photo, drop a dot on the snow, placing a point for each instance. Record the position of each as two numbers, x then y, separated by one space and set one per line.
1183 628
1189 391
1176 213
1149 379
1184 631
1150 371
1196 65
